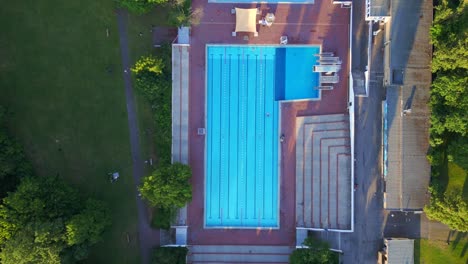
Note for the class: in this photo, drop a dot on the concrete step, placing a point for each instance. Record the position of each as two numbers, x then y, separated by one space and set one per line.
180 103
238 254
322 118
322 166
339 185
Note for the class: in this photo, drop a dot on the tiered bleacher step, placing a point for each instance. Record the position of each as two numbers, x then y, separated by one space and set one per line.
238 254
323 172
180 125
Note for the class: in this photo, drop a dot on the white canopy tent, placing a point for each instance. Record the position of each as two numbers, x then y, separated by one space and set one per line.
246 20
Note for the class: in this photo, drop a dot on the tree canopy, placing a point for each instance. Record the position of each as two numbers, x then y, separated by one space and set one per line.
450 36
140 6
45 221
318 252
450 209
168 186
169 255
153 79
449 105
13 163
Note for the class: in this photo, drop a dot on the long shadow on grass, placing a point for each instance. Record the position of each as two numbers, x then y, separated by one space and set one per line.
417 251
460 238
465 188
465 248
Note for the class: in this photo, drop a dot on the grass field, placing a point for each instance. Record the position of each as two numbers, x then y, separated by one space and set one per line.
457 179
142 45
438 252
60 78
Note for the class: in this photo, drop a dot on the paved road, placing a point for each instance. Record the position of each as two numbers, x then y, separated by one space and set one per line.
148 237
372 223
362 245
359 36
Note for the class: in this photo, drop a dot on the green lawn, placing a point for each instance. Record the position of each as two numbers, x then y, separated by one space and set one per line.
457 177
141 45
438 252
67 109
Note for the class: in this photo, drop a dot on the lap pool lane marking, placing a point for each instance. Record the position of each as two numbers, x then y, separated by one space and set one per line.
243 114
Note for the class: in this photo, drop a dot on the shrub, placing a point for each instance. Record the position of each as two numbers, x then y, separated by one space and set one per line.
449 118
182 14
153 79
13 162
168 186
163 217
448 208
169 255
458 152
139 6
45 221
318 252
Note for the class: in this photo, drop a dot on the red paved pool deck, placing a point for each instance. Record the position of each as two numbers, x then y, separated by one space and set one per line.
320 24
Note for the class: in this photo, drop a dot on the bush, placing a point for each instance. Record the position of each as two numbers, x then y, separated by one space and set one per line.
45 221
153 79
13 163
318 252
448 208
168 187
458 152
139 6
449 115
169 255
163 217
182 14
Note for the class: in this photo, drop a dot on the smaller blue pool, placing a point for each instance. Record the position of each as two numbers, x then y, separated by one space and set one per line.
295 79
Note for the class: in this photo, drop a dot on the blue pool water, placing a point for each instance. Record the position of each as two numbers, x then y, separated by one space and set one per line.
244 86
295 78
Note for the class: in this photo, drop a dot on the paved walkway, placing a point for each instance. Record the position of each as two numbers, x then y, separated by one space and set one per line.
233 254
148 237
180 112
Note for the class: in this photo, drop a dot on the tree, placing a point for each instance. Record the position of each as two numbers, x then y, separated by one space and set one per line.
448 208
458 152
87 226
45 221
23 247
168 186
449 101
318 252
169 255
162 217
182 14
13 163
449 36
148 65
153 79
150 75
140 6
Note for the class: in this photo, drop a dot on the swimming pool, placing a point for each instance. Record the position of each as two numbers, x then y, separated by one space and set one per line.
244 85
295 79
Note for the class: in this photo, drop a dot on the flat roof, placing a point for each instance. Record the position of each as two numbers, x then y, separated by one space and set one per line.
400 250
408 170
378 8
